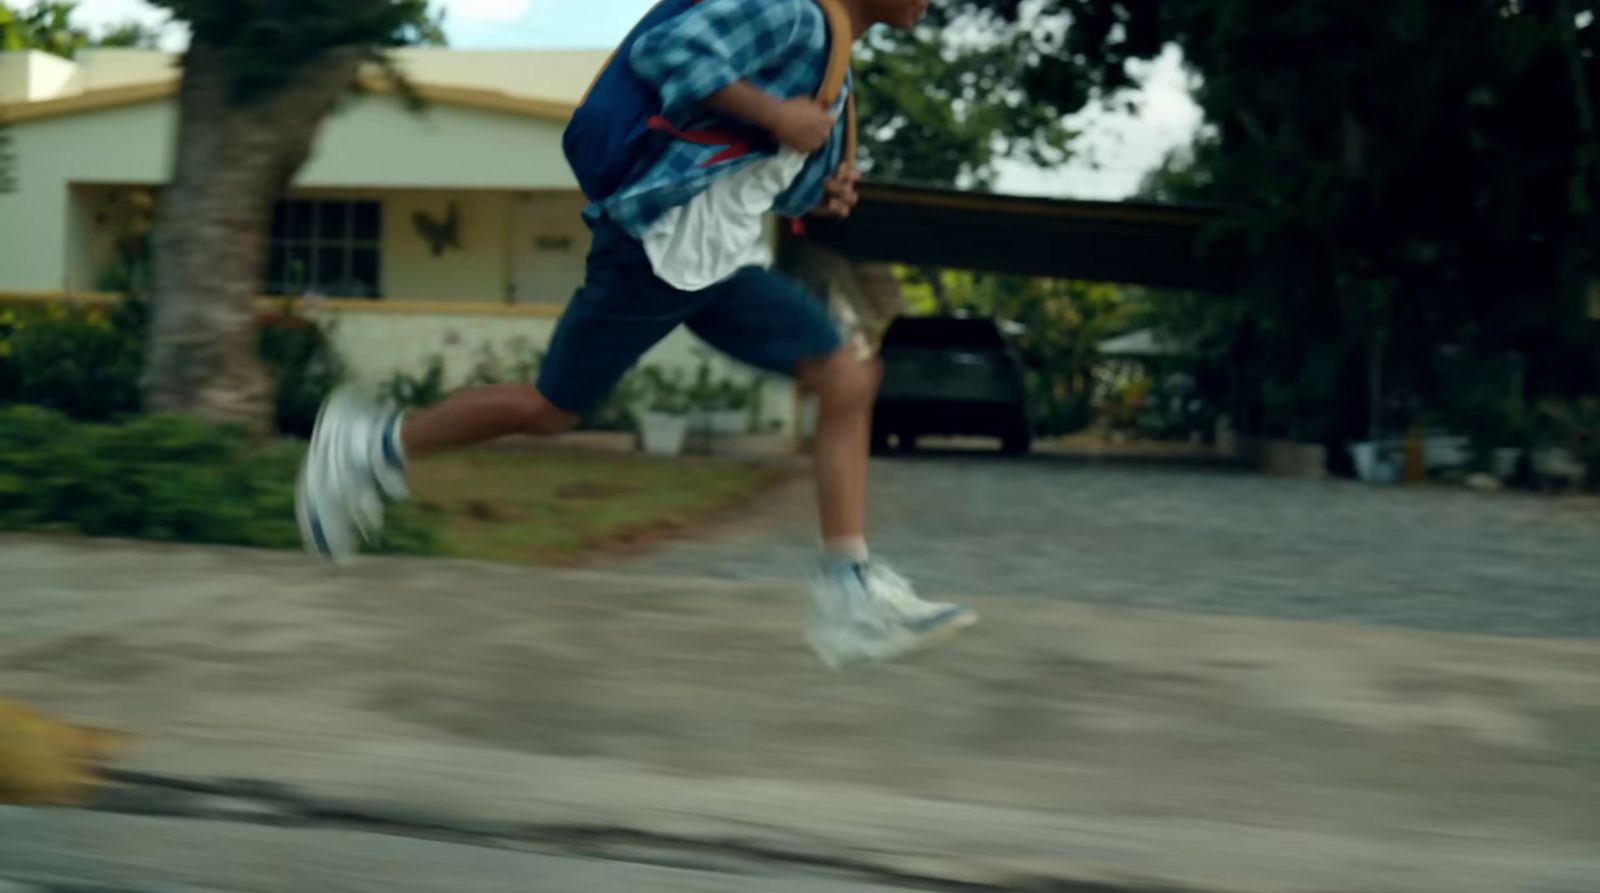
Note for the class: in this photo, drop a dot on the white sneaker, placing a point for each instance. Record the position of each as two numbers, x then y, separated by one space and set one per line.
925 618
345 477
862 613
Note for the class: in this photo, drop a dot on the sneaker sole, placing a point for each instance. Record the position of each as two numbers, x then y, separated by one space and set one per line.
939 635
366 519
313 534
944 632
313 529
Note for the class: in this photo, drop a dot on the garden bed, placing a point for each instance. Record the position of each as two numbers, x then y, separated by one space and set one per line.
176 480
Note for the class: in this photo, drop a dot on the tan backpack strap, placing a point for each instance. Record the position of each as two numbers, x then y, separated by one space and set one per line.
849 130
841 37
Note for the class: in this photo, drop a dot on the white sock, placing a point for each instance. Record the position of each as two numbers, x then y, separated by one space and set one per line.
393 448
847 550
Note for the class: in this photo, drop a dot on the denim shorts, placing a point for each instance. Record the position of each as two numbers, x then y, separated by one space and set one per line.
759 317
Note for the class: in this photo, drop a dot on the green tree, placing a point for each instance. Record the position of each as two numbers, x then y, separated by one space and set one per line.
1060 326
1410 174
133 35
939 105
49 27
259 78
43 26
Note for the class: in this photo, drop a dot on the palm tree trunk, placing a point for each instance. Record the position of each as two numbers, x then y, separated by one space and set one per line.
234 158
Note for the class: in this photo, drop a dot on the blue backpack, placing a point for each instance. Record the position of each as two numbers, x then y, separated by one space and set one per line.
619 113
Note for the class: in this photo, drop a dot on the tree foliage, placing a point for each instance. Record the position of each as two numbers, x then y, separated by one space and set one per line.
941 104
1060 326
259 79
131 35
1411 175
265 44
49 27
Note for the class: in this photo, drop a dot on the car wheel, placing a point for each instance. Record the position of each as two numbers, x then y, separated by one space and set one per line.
1018 442
880 442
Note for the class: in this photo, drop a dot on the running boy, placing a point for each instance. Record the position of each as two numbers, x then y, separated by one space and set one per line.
681 243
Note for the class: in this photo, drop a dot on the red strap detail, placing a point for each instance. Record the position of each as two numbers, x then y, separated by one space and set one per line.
728 154
736 145
797 227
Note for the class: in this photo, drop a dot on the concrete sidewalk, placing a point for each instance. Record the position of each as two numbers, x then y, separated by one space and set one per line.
680 722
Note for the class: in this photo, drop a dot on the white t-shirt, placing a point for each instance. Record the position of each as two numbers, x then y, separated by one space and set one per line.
719 232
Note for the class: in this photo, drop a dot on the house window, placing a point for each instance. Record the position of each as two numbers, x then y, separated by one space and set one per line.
325 247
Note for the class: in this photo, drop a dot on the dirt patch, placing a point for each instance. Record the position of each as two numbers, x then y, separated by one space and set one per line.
479 510
564 509
592 490
739 513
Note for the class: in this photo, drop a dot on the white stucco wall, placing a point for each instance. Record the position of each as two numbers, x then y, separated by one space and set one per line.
30 75
378 344
105 69
375 141
475 272
118 145
371 143
559 75
547 246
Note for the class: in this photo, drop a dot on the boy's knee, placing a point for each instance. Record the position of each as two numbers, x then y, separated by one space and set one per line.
846 380
557 421
537 415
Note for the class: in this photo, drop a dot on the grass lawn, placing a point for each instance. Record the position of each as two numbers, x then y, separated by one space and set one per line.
179 480
553 507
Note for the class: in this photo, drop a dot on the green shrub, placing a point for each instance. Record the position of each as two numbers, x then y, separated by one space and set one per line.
300 355
518 365
84 362
619 410
409 391
87 362
10 377
1573 425
157 478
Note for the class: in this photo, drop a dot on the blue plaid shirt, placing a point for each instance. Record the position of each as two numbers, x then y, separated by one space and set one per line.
778 46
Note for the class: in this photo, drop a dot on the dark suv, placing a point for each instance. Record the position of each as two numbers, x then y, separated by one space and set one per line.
954 376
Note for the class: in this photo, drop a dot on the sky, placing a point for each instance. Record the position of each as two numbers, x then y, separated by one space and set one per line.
1117 149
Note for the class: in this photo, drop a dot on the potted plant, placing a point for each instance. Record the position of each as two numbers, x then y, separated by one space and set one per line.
728 408
1569 441
1508 440
720 407
1377 461
664 421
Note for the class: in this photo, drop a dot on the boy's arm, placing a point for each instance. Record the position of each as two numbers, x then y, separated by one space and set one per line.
802 124
702 58
839 193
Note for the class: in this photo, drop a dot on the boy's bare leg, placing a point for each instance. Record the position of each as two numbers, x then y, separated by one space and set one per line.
861 609
481 414
845 386
359 452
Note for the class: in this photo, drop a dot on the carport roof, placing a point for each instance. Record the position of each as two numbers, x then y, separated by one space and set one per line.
1129 242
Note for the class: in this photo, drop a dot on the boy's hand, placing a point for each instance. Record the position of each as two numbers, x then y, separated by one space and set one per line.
803 124
839 193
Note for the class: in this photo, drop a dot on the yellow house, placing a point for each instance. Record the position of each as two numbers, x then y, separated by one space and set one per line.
423 233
